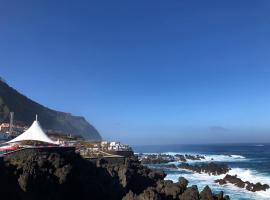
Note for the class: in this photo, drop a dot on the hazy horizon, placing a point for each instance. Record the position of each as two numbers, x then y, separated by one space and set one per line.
145 72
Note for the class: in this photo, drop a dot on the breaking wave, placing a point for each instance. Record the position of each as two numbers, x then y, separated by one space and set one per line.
250 162
208 158
201 180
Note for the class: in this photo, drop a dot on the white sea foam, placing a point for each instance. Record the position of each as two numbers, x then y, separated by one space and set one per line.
253 177
250 175
210 157
201 180
238 156
225 158
259 145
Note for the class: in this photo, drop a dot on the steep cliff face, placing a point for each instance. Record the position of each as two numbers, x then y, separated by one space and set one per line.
25 110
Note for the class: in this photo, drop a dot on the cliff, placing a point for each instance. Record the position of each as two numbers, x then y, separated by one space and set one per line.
25 110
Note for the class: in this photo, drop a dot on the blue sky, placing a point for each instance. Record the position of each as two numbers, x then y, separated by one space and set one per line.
145 72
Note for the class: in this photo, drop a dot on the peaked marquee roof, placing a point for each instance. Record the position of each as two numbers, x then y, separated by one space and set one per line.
34 133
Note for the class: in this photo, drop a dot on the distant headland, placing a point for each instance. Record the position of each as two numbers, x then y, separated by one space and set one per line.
25 108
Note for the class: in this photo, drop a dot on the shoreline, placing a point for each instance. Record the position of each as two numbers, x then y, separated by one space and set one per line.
66 175
251 163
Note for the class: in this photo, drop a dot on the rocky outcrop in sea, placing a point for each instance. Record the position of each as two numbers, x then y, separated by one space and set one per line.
209 168
32 175
165 158
242 184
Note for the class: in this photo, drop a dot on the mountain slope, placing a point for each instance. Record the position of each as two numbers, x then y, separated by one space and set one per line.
25 110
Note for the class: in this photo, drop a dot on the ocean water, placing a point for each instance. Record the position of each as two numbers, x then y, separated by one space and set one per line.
250 162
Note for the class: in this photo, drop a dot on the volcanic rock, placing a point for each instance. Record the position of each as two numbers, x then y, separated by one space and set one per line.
206 194
165 158
156 159
43 175
211 168
242 184
191 193
197 157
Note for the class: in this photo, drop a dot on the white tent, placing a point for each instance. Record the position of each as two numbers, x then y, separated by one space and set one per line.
34 133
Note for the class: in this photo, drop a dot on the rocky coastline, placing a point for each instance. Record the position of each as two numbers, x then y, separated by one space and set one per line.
242 184
66 175
165 158
209 168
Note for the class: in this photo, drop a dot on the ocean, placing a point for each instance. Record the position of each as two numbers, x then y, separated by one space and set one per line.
250 162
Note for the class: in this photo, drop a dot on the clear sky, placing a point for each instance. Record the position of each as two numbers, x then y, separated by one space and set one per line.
145 72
